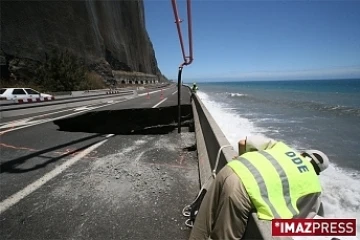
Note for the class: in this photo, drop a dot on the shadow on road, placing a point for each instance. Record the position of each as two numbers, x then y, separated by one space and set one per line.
150 121
11 166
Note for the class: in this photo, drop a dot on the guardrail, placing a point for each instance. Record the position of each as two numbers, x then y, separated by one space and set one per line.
210 139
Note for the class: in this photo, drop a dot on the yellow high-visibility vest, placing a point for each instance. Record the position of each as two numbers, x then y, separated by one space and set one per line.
275 179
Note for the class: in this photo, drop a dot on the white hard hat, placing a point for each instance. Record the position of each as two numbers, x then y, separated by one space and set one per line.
320 158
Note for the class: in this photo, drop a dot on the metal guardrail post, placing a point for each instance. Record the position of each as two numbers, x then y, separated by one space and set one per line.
179 99
187 59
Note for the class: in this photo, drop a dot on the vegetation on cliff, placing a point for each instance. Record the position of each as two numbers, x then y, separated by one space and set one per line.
62 71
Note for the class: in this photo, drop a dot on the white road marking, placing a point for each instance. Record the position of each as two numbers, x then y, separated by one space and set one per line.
143 94
109 135
20 121
37 123
82 108
159 103
174 92
17 123
25 123
15 198
53 119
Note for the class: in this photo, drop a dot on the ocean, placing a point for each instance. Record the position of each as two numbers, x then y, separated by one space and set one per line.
311 114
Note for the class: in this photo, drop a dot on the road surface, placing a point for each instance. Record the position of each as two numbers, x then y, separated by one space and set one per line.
118 170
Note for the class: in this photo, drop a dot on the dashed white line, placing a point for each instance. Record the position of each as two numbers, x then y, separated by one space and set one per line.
159 103
15 198
143 94
109 135
81 108
174 92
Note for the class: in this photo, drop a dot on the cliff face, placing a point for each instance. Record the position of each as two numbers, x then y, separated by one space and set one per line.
107 35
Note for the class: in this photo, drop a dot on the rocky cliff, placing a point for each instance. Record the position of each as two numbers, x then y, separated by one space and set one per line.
106 35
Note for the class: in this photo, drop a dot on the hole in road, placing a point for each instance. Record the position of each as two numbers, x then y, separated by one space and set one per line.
162 120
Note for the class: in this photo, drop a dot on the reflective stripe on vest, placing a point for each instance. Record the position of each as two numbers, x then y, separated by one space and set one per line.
285 181
275 179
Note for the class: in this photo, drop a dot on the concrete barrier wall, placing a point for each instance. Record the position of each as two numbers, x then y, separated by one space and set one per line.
203 157
210 139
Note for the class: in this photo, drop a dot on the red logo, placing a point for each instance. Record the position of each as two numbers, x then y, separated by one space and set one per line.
313 227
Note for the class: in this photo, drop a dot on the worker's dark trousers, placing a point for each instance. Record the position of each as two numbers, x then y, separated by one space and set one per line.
224 211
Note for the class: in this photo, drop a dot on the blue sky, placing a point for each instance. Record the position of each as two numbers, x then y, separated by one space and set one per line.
259 40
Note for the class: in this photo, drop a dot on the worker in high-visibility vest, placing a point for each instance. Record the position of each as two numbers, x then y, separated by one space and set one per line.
269 178
193 91
194 88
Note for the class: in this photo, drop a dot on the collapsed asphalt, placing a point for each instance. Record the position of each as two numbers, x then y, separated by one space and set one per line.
161 120
134 186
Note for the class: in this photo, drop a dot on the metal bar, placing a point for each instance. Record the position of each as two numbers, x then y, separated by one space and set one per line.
179 99
190 32
177 21
187 59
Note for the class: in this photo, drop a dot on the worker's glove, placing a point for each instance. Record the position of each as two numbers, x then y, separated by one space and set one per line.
258 143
